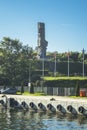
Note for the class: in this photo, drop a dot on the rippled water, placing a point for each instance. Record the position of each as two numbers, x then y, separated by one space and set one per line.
20 120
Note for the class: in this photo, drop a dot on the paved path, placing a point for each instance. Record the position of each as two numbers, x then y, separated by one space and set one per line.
56 98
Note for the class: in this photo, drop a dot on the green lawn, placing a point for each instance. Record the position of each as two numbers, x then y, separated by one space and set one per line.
29 94
65 78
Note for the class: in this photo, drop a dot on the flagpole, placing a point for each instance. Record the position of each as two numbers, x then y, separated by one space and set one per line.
42 72
68 63
83 51
55 66
43 66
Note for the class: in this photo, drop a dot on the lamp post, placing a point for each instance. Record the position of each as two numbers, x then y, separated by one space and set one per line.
29 83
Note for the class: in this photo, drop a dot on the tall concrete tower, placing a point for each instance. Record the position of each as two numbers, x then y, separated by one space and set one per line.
41 42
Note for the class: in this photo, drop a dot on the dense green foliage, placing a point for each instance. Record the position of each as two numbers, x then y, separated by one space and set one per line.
18 62
14 62
66 82
73 56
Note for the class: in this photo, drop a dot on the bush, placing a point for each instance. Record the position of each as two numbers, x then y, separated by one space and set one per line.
77 89
22 89
31 88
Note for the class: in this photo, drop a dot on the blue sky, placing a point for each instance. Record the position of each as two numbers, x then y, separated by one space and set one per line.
65 22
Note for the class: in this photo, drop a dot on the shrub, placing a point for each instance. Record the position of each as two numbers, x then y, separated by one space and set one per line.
77 89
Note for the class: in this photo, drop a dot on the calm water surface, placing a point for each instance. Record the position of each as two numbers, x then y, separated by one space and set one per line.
20 120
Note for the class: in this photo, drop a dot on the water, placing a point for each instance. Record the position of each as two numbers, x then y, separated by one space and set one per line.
20 120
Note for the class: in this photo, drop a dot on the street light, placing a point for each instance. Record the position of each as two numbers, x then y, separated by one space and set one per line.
29 83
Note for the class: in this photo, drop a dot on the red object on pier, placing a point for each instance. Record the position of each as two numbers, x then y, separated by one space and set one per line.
82 93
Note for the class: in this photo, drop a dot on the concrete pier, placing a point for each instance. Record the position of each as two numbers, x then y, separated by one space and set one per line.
48 103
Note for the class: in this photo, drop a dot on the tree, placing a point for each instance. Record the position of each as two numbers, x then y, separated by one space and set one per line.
14 61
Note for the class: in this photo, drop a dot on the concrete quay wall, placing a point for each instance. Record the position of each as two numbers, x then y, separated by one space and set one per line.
50 103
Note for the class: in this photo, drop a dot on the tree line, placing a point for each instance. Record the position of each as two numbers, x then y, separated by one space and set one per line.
16 59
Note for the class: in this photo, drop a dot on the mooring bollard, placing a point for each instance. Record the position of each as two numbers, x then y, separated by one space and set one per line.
33 106
41 106
51 107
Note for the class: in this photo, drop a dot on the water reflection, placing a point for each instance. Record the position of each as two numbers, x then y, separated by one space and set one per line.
32 120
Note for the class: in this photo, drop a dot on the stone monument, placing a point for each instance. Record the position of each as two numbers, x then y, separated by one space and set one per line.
41 42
